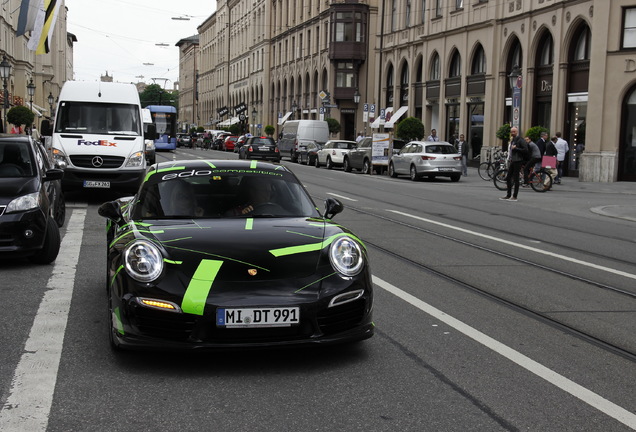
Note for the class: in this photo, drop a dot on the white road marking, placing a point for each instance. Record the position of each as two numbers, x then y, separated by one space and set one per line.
341 196
600 403
29 402
521 246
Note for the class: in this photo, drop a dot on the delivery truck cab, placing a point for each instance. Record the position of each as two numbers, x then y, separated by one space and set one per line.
98 136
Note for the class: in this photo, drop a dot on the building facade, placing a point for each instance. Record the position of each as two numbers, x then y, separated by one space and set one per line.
47 72
461 66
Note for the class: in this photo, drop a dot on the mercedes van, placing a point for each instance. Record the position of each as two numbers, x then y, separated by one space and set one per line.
98 136
301 130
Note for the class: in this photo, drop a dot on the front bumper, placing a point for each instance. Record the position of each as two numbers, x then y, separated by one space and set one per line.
128 180
22 233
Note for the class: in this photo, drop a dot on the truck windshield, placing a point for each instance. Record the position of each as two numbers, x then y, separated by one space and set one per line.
98 118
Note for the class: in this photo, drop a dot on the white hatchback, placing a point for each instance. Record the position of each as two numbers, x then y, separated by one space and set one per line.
426 158
332 154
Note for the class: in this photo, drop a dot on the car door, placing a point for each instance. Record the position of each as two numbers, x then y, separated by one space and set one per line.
401 159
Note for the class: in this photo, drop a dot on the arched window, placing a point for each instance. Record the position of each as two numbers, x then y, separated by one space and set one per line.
582 45
404 85
479 62
389 86
546 52
455 66
435 69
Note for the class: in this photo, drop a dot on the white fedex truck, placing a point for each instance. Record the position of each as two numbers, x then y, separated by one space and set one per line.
98 136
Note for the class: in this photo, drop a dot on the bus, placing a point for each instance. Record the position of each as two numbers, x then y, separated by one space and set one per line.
164 118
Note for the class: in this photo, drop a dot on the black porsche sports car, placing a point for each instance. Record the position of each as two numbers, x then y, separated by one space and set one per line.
228 254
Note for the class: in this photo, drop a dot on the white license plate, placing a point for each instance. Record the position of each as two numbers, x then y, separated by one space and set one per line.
445 169
258 317
96 184
263 148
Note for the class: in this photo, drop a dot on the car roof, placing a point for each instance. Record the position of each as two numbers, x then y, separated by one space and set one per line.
222 164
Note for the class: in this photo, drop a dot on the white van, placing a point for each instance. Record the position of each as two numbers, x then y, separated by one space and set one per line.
301 130
98 136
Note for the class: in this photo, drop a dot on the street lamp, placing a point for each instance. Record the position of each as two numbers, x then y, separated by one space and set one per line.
514 76
5 73
356 97
31 92
50 99
294 107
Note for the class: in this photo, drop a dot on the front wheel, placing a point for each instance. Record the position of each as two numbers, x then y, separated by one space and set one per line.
484 171
500 179
392 172
51 246
366 167
541 181
316 162
346 165
329 164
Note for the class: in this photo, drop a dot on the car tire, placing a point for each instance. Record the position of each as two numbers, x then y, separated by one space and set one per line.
317 162
329 164
60 211
392 172
112 339
346 165
366 167
51 246
413 173
294 157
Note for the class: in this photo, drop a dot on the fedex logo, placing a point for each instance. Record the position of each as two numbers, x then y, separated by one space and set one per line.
97 143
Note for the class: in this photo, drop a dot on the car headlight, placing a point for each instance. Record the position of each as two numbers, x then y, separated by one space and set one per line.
346 256
143 261
25 202
135 160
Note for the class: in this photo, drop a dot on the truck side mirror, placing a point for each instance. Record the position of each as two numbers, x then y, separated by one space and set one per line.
150 132
46 128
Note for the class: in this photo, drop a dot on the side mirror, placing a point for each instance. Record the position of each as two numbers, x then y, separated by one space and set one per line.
46 128
110 210
332 208
54 174
150 132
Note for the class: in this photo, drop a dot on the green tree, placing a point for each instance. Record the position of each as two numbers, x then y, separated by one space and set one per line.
334 125
535 132
153 94
20 115
410 129
503 133
269 130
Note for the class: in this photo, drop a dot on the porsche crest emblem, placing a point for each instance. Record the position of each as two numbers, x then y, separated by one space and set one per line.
252 272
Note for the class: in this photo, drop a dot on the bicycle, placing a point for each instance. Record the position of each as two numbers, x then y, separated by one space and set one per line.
496 161
540 180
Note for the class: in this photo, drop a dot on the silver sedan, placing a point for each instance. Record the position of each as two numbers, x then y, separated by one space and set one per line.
426 158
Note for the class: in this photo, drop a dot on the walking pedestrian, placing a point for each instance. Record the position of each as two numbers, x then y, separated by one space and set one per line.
562 150
518 150
462 148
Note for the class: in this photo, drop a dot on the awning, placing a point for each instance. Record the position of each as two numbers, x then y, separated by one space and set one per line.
395 117
284 118
229 122
35 110
380 121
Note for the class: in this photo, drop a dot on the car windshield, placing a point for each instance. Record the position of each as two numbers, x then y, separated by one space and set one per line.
15 160
98 118
222 193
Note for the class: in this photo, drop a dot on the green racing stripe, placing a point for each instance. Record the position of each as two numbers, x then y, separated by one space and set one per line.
196 294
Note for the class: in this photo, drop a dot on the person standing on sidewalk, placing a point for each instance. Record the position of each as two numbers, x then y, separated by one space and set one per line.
562 150
518 153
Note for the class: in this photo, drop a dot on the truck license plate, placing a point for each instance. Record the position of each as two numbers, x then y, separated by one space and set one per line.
96 184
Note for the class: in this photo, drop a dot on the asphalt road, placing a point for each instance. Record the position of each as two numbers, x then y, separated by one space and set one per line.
490 315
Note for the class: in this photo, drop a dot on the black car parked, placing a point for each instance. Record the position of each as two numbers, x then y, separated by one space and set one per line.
259 148
32 206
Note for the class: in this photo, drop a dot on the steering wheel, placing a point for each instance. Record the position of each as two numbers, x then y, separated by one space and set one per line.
269 208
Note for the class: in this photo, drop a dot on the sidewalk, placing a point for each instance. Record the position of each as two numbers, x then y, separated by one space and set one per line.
624 191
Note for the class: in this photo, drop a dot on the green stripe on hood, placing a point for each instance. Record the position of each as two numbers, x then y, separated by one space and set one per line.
196 294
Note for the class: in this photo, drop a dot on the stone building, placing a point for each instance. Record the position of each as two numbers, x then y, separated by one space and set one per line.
461 66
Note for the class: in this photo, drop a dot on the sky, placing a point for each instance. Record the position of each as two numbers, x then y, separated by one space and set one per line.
120 37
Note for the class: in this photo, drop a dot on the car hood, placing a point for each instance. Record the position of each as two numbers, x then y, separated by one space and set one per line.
13 187
272 248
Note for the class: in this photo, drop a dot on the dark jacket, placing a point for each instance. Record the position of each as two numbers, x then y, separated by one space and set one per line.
550 149
520 153
541 143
